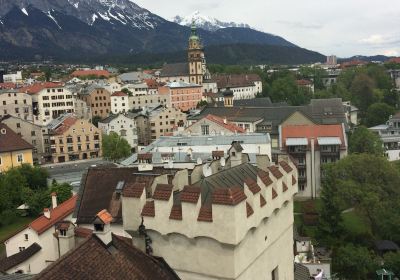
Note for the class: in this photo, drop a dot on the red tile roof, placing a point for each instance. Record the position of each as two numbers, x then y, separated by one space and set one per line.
163 192
190 194
312 131
134 190
274 193
249 209
276 172
176 212
11 141
264 176
228 196
262 201
99 73
394 60
65 125
303 82
218 154
7 85
148 209
225 124
286 166
105 217
35 88
119 93
253 186
41 224
205 214
153 84
146 156
83 232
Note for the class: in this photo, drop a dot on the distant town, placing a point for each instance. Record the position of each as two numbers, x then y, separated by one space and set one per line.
200 171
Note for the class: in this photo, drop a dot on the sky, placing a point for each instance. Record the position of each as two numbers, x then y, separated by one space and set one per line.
339 27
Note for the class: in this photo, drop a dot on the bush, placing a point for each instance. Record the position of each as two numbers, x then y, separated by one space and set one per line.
7 217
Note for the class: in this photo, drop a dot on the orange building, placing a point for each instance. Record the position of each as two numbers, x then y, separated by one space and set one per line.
183 96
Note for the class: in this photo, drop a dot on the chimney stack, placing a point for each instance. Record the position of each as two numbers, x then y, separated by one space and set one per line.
46 213
53 200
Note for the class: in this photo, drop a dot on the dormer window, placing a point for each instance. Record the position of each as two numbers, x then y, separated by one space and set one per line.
99 227
63 232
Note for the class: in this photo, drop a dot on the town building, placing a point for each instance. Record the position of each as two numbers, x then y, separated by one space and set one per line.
351 113
37 245
90 73
194 71
98 99
312 146
152 86
74 139
119 102
34 134
258 116
82 110
134 77
389 133
15 103
160 121
50 100
395 75
15 78
212 125
122 124
139 88
117 259
231 222
306 84
331 60
137 102
183 96
244 86
14 151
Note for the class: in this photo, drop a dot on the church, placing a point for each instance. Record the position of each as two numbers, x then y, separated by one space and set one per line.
194 71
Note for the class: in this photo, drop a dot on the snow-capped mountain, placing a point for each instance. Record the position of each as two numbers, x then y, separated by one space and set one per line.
79 29
205 22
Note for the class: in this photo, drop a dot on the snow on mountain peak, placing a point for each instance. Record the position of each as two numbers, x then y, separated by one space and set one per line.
206 22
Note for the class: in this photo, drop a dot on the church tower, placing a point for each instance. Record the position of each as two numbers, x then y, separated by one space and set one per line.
196 59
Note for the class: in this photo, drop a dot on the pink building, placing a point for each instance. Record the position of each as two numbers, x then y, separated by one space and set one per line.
184 96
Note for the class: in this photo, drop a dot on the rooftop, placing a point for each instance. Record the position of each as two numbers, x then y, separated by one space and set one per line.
20 257
175 70
11 141
99 73
37 87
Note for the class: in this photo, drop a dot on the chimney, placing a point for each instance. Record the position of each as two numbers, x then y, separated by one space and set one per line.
46 213
53 200
225 121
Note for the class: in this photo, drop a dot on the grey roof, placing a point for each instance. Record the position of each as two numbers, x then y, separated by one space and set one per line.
20 257
134 76
321 111
229 178
112 117
255 102
207 140
301 272
175 69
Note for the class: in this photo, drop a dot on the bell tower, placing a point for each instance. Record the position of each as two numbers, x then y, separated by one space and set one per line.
196 59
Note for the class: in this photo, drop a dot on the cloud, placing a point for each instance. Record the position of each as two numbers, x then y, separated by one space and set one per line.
381 39
298 24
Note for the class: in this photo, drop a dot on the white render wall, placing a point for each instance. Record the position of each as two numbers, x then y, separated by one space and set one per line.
119 104
122 123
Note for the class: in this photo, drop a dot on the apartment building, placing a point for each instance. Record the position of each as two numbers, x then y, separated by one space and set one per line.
184 96
74 139
150 100
119 102
15 103
389 133
82 110
50 100
160 121
312 146
98 99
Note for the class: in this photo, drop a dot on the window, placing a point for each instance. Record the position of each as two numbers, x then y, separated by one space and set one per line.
20 158
98 227
205 130
33 133
63 232
275 274
26 237
21 249
18 125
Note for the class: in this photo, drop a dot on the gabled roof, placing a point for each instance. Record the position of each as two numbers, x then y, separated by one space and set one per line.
20 257
175 70
235 80
66 124
99 73
301 272
119 94
11 141
223 123
35 88
118 260
41 224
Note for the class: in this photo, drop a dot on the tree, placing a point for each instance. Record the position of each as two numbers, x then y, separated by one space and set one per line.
362 91
115 147
35 176
353 262
63 191
365 141
201 104
392 262
127 91
378 113
96 120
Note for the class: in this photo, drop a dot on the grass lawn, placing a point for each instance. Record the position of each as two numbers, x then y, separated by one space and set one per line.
6 231
354 223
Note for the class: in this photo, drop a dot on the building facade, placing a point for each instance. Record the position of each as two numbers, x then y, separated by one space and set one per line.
183 96
312 146
15 103
124 125
139 101
74 139
99 100
119 102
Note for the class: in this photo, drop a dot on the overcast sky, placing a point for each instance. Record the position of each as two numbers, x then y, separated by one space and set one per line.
340 27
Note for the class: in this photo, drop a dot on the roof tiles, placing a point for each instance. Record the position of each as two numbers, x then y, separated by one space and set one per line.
11 141
190 194
134 190
163 192
230 196
148 209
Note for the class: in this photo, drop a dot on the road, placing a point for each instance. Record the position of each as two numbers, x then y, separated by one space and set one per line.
71 172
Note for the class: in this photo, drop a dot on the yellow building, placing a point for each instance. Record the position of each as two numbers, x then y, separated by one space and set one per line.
74 139
14 151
